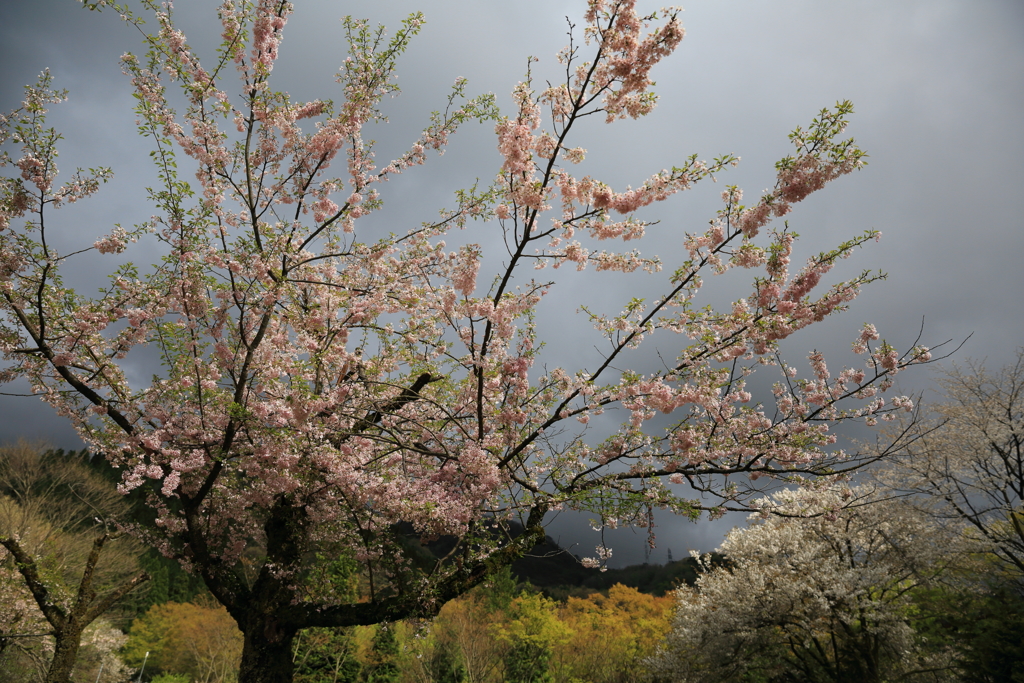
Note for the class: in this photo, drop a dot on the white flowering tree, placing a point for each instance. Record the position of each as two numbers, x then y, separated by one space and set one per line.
325 388
819 589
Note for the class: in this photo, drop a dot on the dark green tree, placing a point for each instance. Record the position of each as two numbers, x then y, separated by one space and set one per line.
326 655
984 627
445 666
501 589
383 667
527 662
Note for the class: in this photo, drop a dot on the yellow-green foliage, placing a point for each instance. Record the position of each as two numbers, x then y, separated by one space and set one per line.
612 635
598 639
185 638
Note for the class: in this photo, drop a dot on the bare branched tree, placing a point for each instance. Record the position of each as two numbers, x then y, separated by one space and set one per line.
967 465
58 536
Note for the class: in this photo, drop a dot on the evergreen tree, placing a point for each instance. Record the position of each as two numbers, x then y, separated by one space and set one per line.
445 666
326 655
527 662
383 667
501 589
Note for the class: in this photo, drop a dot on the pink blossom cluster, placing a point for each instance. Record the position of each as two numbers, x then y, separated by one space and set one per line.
114 243
36 172
271 17
623 75
464 278
515 136
818 163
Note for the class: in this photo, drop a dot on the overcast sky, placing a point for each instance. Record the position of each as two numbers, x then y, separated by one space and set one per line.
938 89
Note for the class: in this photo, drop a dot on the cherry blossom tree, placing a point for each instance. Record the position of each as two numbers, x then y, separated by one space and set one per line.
325 389
819 590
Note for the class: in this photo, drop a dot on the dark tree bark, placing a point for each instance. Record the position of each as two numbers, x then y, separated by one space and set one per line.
267 651
270 617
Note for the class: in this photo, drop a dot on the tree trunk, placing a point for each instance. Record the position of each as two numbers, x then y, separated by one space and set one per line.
64 656
266 652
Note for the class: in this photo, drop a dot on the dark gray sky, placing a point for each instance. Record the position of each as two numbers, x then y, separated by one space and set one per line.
938 87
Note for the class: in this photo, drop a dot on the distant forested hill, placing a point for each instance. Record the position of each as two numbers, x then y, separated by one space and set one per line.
559 573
